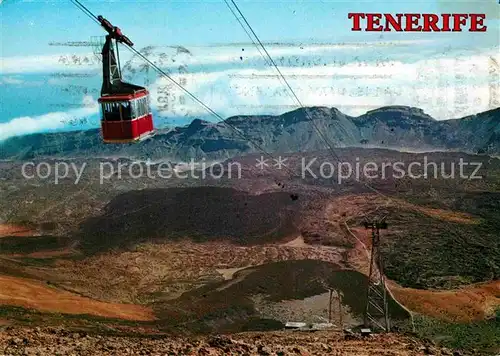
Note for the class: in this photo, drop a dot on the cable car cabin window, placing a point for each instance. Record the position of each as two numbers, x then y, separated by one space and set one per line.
143 106
125 110
133 105
116 111
111 112
141 111
139 108
115 108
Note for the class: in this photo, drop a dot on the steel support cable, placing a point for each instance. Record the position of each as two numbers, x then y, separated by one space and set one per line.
192 96
294 96
210 110
283 77
246 31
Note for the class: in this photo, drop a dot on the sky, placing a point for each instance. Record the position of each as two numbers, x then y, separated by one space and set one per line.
46 85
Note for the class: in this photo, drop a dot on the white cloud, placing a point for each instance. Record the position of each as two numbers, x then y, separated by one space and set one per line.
47 122
444 87
224 54
57 81
170 56
11 80
46 63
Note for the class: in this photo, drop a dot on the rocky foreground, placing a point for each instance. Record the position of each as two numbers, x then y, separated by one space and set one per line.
52 341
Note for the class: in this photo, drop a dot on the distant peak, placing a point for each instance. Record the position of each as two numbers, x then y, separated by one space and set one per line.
197 123
402 109
396 108
311 108
314 109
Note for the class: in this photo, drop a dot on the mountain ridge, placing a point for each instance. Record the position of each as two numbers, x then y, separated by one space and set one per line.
394 127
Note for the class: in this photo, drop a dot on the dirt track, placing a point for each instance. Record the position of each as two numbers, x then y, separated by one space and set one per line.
13 230
36 295
471 303
359 204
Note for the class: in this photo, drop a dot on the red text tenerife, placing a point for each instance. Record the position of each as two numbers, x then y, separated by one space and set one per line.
418 22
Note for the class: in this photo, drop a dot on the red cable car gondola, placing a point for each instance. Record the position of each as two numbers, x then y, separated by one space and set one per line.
126 114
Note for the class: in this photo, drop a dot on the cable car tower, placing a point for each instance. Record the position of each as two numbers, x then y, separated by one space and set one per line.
377 309
126 114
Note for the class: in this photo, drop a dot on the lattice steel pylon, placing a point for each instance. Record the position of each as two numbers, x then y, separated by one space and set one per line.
377 309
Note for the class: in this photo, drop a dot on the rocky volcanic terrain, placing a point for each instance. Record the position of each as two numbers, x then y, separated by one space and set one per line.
52 341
